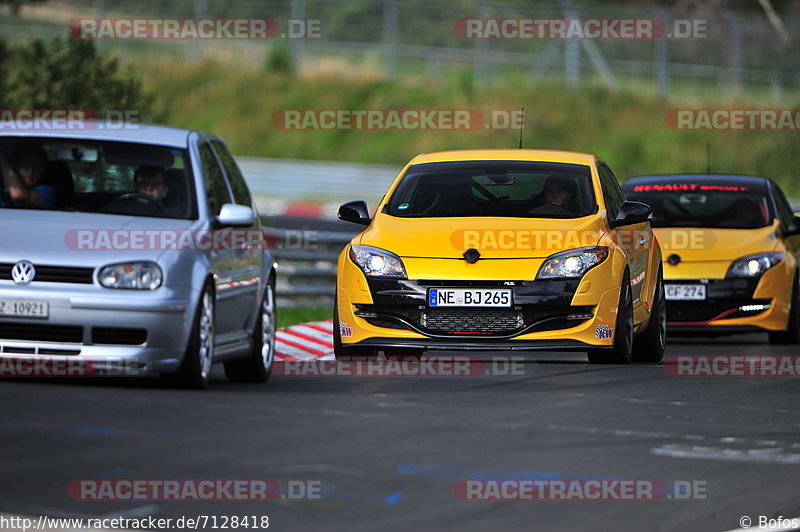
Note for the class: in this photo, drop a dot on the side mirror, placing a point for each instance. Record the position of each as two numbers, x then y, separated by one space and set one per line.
794 227
632 212
232 215
355 211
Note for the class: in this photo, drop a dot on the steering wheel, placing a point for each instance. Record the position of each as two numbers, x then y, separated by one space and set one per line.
136 196
548 208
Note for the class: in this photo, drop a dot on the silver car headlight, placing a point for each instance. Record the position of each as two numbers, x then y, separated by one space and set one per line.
131 276
376 262
573 263
753 265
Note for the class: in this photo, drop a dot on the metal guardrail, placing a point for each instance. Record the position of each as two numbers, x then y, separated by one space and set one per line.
307 265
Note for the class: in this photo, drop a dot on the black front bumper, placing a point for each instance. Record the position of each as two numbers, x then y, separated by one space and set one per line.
723 299
477 344
536 306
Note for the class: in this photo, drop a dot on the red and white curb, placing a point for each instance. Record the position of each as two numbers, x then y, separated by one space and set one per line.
305 341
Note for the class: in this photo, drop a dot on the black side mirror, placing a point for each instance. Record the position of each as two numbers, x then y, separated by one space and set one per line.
355 211
632 212
794 227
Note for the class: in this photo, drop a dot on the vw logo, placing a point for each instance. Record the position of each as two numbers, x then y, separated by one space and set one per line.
23 272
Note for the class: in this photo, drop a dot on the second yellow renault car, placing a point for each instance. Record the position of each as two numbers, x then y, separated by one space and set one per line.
502 250
731 248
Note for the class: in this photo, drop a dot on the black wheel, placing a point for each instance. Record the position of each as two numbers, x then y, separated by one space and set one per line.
623 334
792 334
346 352
195 369
649 345
257 367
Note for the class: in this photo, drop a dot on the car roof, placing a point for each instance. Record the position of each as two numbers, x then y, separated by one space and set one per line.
705 179
506 155
99 130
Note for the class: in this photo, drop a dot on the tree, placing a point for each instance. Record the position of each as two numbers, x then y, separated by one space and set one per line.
15 5
70 74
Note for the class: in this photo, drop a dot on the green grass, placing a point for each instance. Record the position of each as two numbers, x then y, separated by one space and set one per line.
290 315
626 128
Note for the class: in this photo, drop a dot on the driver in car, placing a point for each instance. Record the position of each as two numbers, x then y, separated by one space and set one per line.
149 180
555 196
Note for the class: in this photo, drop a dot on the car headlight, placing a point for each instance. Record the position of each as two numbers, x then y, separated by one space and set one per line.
376 262
753 265
573 263
131 276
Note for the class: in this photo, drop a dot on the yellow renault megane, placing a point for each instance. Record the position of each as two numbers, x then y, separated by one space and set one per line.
731 248
502 250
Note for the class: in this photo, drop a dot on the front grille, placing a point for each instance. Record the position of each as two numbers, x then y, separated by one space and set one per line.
38 350
702 311
476 321
53 274
118 336
471 320
41 332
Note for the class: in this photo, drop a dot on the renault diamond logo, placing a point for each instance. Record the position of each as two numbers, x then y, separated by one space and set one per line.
23 272
472 255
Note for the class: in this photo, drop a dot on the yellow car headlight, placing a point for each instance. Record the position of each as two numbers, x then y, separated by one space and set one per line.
573 263
753 265
376 262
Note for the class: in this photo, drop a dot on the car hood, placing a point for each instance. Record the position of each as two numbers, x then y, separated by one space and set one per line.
494 238
52 238
694 244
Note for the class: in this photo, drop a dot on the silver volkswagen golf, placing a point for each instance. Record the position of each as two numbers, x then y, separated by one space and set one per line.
132 251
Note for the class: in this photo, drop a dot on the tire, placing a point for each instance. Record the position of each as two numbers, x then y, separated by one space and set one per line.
345 352
791 335
257 367
621 353
649 345
195 368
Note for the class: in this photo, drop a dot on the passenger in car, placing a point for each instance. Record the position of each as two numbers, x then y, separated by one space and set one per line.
21 180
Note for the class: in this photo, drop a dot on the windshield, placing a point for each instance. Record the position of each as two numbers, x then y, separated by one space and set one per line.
96 176
494 188
707 205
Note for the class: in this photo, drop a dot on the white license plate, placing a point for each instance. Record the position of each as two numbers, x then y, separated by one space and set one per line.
695 292
23 308
469 297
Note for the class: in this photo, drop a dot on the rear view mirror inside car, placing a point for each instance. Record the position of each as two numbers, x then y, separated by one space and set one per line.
137 155
77 154
498 179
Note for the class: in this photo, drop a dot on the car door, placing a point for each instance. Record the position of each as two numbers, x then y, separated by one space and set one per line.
635 239
248 255
221 257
